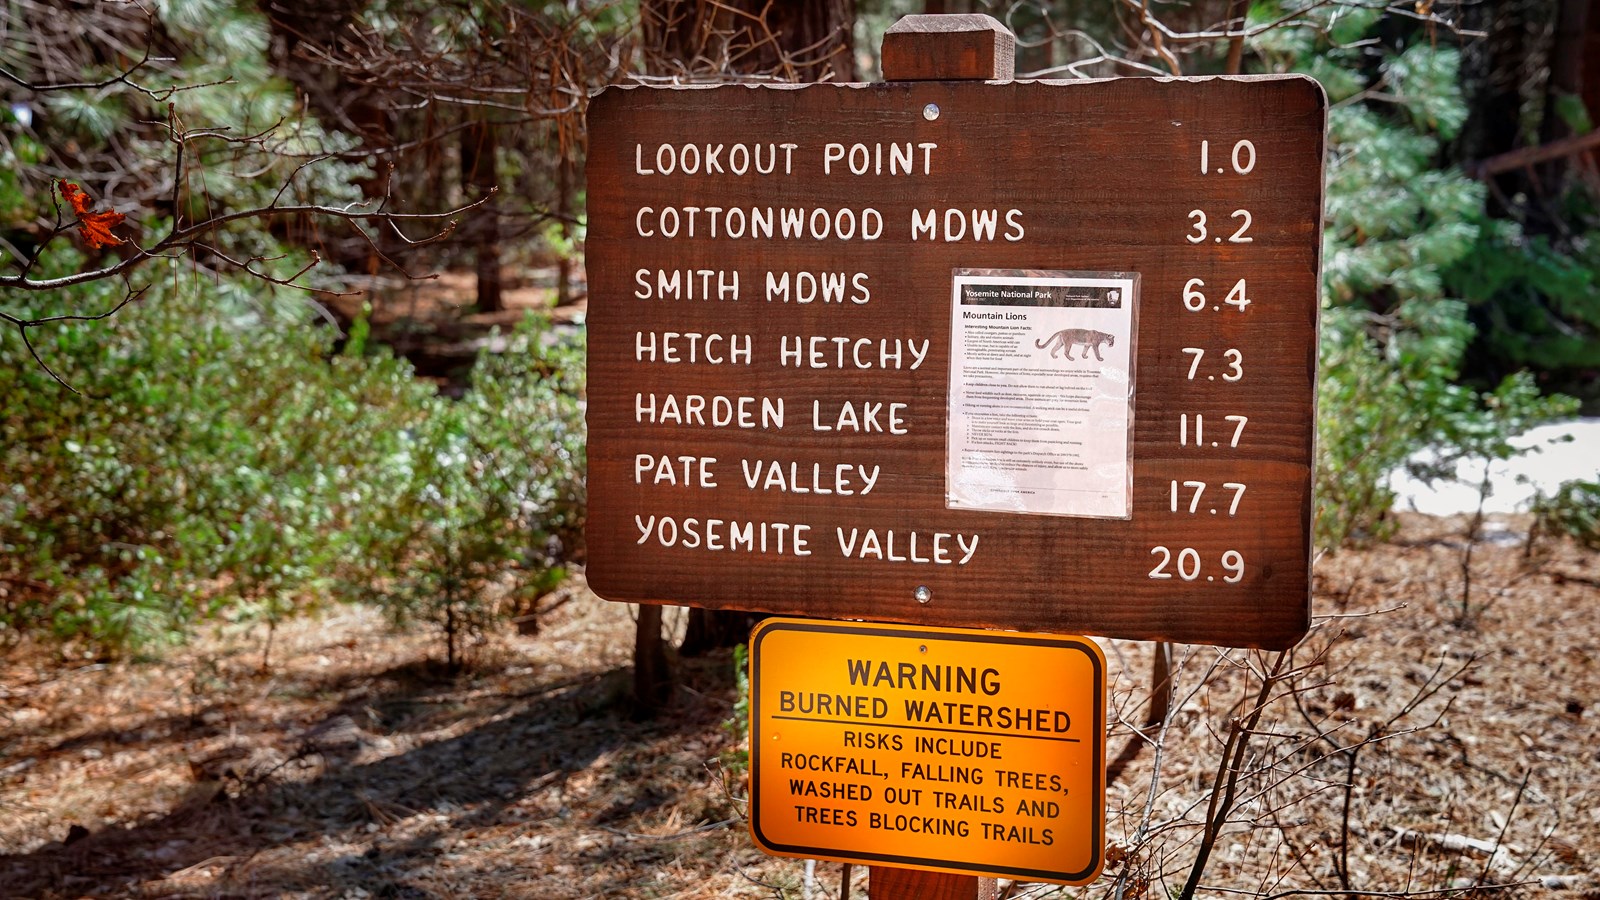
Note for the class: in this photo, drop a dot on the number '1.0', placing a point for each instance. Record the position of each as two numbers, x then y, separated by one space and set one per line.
1243 158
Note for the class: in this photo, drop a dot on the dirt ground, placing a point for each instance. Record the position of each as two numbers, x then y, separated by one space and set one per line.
1404 748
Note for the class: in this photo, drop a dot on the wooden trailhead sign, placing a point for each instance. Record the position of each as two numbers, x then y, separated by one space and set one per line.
948 750
1027 355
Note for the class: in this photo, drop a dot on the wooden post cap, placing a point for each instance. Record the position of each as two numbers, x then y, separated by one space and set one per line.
968 46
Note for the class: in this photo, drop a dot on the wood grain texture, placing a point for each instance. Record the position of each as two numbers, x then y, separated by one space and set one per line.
970 46
888 883
1105 175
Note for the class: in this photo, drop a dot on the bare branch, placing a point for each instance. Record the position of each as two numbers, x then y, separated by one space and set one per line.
186 235
22 325
121 78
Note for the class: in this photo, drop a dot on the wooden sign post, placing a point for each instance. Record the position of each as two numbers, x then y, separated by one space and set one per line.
956 350
942 48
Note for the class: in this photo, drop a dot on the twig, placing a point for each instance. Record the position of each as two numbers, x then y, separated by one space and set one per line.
183 236
1527 156
22 326
635 836
1398 895
1225 786
1500 839
1158 34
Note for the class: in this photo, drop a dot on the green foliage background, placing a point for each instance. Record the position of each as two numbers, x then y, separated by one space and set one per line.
218 455
1400 230
226 458
223 460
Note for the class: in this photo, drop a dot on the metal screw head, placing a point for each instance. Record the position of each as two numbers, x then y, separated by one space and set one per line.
922 593
930 112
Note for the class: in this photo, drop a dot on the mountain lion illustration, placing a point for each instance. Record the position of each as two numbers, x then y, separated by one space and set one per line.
1067 338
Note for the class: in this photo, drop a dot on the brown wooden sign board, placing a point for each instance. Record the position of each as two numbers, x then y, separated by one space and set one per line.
769 423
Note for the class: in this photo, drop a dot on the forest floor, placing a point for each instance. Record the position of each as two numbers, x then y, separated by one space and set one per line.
1419 750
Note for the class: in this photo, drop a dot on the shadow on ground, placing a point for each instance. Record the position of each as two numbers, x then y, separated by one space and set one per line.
500 749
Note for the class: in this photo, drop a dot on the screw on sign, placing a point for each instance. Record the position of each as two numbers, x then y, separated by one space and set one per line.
959 351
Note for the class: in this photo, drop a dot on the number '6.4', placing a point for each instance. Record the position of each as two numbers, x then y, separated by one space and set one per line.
1194 300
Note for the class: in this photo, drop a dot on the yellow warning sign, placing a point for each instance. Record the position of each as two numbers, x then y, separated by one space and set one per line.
975 752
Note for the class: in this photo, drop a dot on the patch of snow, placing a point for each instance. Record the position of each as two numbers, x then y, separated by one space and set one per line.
1562 451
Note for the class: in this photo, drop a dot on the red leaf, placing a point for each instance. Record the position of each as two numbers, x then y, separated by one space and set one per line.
94 226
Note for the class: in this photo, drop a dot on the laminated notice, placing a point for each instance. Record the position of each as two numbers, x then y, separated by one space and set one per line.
1041 392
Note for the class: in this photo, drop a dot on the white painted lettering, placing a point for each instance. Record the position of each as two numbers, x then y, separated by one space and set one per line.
863 419
1014 231
904 547
736 536
692 347
733 222
822 352
965 224
708 159
808 287
969 548
844 479
983 223
682 471
717 411
955 225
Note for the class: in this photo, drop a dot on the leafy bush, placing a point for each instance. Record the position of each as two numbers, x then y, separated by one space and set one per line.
222 459
1396 222
215 455
218 457
1536 304
735 760
493 493
1573 510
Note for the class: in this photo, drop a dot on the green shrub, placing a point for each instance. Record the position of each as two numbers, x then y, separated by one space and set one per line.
217 456
492 498
220 459
1573 510
735 760
1396 222
1536 304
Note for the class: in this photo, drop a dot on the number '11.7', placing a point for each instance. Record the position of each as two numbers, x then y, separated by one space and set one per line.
1200 430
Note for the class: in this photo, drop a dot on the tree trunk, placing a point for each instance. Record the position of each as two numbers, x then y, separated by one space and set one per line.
1591 79
300 32
1515 81
564 210
478 151
791 40
652 681
1492 69
1566 81
710 629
